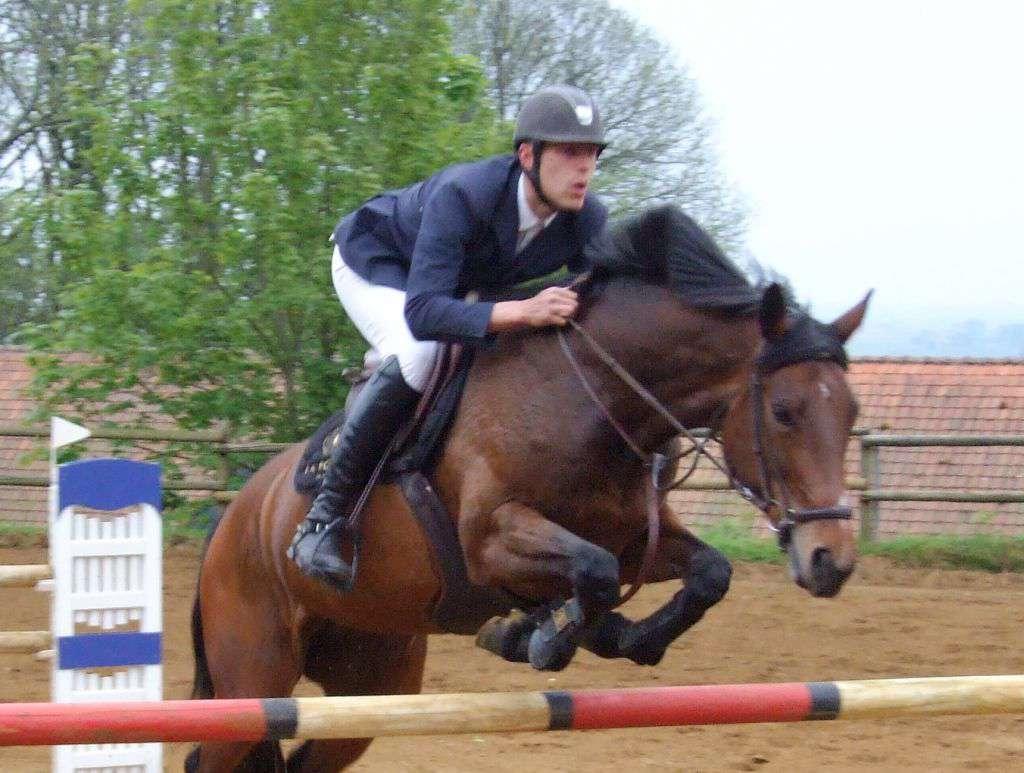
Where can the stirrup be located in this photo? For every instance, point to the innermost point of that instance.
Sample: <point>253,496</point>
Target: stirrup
<point>340,575</point>
<point>302,528</point>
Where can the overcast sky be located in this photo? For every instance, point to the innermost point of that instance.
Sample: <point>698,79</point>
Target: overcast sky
<point>878,144</point>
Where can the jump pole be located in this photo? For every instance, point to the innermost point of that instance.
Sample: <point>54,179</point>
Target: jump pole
<point>24,576</point>
<point>33,724</point>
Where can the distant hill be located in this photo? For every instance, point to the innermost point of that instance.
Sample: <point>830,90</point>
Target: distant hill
<point>972,338</point>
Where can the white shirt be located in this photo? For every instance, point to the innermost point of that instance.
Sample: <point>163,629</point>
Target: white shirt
<point>529,224</point>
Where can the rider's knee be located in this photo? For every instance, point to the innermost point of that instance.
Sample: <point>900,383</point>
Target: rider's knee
<point>416,360</point>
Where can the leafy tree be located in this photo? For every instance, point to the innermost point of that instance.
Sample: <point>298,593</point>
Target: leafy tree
<point>171,171</point>
<point>223,142</point>
<point>49,71</point>
<point>660,148</point>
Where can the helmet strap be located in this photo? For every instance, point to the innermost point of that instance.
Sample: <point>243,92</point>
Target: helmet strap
<point>533,175</point>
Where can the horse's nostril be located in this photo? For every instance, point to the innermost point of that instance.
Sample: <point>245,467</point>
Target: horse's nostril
<point>821,559</point>
<point>827,578</point>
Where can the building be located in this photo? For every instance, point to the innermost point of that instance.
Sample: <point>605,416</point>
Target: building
<point>928,397</point>
<point>904,396</point>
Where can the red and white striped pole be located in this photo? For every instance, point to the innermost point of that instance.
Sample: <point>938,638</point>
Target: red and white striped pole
<point>28,724</point>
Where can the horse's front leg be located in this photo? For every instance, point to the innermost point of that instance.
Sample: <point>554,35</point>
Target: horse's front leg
<point>518,549</point>
<point>706,573</point>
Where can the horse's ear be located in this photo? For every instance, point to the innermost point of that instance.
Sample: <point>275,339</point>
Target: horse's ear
<point>773,312</point>
<point>847,324</point>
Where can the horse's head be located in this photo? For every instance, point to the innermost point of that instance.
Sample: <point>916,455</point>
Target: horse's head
<point>785,438</point>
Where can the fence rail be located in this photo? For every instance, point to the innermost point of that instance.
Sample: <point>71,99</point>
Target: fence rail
<point>921,441</point>
<point>220,488</point>
<point>868,485</point>
<point>871,469</point>
<point>185,484</point>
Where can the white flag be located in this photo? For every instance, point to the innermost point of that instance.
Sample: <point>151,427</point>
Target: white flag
<point>63,432</point>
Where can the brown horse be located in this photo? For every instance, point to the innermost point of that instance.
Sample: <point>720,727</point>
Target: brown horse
<point>548,498</point>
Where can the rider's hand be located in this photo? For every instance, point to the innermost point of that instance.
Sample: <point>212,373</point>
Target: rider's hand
<point>551,306</point>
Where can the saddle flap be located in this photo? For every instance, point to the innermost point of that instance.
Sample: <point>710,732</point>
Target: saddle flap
<point>419,443</point>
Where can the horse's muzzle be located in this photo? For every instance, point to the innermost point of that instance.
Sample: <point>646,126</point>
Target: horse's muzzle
<point>825,579</point>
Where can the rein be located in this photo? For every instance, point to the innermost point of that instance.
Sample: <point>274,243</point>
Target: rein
<point>655,462</point>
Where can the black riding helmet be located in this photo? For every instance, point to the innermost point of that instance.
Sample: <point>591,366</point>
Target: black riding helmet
<point>558,113</point>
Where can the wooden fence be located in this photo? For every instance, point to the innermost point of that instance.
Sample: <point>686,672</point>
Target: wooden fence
<point>869,485</point>
<point>220,486</point>
<point>871,469</point>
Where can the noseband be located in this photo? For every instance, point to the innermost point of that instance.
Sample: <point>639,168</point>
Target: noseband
<point>788,517</point>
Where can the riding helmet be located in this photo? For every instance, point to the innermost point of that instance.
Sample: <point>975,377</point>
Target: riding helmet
<point>559,113</point>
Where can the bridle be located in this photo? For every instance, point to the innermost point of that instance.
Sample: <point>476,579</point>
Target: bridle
<point>655,463</point>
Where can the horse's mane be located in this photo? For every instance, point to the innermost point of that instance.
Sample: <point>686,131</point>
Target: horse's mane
<point>664,246</point>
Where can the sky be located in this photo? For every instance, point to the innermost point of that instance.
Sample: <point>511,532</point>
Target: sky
<point>877,145</point>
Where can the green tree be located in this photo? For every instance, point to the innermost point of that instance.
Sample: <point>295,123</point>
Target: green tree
<point>225,139</point>
<point>52,75</point>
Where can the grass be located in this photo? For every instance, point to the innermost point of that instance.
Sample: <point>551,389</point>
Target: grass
<point>17,535</point>
<point>979,552</point>
<point>732,536</point>
<point>982,552</point>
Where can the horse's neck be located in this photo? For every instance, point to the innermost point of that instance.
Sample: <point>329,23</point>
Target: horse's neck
<point>693,361</point>
<point>526,413</point>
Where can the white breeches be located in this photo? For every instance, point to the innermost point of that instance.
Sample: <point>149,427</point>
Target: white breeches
<point>379,314</point>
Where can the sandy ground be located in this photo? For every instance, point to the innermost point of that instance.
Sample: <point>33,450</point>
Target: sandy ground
<point>888,622</point>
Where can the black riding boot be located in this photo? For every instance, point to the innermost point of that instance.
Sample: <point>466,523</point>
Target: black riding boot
<point>375,416</point>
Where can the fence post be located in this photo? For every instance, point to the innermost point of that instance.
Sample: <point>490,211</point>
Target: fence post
<point>223,458</point>
<point>869,508</point>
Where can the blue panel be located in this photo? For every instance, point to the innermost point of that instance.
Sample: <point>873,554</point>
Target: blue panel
<point>109,484</point>
<point>98,650</point>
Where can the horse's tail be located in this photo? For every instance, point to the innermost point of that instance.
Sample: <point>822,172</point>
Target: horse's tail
<point>202,681</point>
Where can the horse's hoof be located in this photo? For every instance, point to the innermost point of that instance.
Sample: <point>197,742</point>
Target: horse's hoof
<point>550,654</point>
<point>507,637</point>
<point>553,644</point>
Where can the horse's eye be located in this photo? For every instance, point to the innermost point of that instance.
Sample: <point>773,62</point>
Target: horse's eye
<point>783,415</point>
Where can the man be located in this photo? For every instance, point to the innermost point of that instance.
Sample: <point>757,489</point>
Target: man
<point>404,260</point>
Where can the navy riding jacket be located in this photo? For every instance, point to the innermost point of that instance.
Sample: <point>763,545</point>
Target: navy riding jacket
<point>455,232</point>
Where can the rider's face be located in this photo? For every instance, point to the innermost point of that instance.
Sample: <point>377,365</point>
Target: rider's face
<point>565,172</point>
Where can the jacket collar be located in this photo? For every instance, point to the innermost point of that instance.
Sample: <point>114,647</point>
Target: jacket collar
<point>506,217</point>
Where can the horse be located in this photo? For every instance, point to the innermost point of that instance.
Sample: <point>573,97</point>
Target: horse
<point>546,473</point>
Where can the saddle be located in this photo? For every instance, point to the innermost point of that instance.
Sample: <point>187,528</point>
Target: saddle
<point>409,463</point>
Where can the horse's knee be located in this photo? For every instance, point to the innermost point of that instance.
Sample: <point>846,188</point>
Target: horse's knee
<point>595,578</point>
<point>709,577</point>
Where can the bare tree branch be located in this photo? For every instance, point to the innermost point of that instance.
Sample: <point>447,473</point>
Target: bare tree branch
<point>651,107</point>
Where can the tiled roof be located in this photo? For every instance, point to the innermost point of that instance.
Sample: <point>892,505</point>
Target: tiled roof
<point>908,396</point>
<point>29,455</point>
<point>922,397</point>
<point>943,396</point>
<point>19,504</point>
